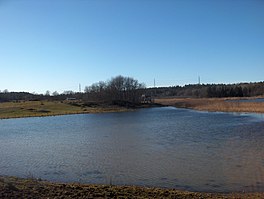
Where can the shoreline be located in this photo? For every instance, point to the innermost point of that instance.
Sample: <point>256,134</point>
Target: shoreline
<point>14,187</point>
<point>112,110</point>
<point>24,109</point>
<point>214,104</point>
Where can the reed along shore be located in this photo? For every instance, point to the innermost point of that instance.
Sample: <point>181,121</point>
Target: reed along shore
<point>214,104</point>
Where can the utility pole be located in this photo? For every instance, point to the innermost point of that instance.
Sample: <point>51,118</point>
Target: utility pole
<point>154,94</point>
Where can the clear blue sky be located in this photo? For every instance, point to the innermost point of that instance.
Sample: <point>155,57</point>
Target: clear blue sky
<point>57,44</point>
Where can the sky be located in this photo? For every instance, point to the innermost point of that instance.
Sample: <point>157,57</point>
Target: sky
<point>56,45</point>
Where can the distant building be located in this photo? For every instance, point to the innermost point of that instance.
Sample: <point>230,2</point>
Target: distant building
<point>145,99</point>
<point>71,99</point>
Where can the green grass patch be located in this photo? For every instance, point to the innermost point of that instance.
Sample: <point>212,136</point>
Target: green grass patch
<point>50,108</point>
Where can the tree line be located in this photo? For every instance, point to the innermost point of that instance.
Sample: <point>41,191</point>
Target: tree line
<point>210,90</point>
<point>122,89</point>
<point>117,90</point>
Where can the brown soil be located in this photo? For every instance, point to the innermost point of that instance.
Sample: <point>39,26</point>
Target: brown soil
<point>13,187</point>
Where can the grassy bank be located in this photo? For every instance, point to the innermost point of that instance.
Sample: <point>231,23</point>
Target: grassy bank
<point>213,104</point>
<point>13,187</point>
<point>51,108</point>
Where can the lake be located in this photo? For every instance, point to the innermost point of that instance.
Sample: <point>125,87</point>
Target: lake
<point>164,147</point>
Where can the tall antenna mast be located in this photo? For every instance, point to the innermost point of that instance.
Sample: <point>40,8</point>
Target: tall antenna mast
<point>154,83</point>
<point>199,80</point>
<point>80,89</point>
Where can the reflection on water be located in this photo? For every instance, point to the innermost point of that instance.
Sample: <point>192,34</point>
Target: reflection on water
<point>165,147</point>
<point>247,100</point>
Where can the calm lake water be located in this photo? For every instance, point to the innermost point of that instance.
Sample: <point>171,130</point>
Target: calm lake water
<point>247,100</point>
<point>165,147</point>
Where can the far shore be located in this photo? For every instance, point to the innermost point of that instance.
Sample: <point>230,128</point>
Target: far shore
<point>14,187</point>
<point>21,109</point>
<point>214,104</point>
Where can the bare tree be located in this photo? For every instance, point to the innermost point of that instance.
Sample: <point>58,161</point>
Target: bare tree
<point>47,93</point>
<point>119,88</point>
<point>55,93</point>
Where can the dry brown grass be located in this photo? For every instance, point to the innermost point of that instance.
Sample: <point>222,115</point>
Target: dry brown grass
<point>12,187</point>
<point>213,104</point>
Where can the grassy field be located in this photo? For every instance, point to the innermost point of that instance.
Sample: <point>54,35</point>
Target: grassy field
<point>213,104</point>
<point>13,187</point>
<point>50,108</point>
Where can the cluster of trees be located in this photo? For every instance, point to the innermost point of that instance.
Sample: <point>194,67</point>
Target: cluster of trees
<point>17,96</point>
<point>211,90</point>
<point>118,89</point>
<point>227,91</point>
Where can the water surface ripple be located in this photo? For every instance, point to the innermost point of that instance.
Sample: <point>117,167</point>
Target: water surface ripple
<point>165,147</point>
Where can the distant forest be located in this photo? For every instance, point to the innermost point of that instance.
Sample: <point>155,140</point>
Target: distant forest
<point>127,89</point>
<point>210,90</point>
